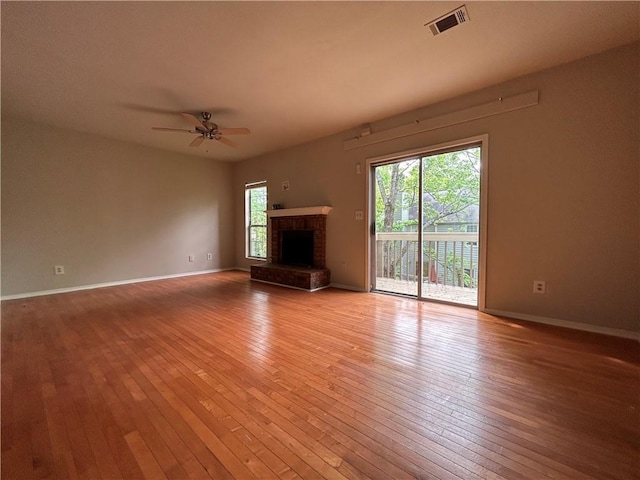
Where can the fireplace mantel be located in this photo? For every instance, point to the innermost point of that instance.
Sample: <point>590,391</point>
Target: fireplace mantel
<point>299,212</point>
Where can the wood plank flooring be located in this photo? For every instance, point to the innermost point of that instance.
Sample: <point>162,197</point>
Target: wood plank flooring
<point>215,376</point>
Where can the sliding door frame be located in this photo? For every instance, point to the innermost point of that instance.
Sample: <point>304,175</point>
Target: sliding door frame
<point>372,162</point>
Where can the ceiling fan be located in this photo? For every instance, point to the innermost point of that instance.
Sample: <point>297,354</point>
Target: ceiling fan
<point>206,129</point>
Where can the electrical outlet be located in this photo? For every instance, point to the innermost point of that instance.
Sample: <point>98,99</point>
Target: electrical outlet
<point>359,215</point>
<point>539,286</point>
<point>285,185</point>
<point>209,256</point>
<point>191,259</point>
<point>58,270</point>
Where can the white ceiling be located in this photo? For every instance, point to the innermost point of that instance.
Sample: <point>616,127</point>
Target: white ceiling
<point>289,71</point>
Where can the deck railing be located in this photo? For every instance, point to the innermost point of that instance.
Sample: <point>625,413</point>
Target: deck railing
<point>448,258</point>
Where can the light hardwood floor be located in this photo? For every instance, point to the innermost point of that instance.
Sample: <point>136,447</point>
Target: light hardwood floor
<point>216,376</point>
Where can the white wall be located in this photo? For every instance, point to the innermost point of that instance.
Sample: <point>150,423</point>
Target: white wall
<point>107,211</point>
<point>563,195</point>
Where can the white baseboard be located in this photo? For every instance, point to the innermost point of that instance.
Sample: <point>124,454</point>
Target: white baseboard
<point>615,332</point>
<point>109,284</point>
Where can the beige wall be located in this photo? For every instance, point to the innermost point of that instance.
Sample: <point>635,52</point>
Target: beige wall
<point>563,198</point>
<point>107,211</point>
<point>563,195</point>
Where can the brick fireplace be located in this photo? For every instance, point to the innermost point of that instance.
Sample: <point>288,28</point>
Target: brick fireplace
<point>297,254</point>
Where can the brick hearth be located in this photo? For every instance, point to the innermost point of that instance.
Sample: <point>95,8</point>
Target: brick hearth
<point>297,277</point>
<point>318,276</point>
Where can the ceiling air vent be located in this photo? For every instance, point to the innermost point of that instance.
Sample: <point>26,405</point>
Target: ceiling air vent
<point>449,20</point>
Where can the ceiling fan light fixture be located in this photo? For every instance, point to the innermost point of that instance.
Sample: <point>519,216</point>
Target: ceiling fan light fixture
<point>207,130</point>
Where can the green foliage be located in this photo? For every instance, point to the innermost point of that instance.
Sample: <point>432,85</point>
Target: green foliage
<point>258,206</point>
<point>397,191</point>
<point>451,184</point>
<point>257,221</point>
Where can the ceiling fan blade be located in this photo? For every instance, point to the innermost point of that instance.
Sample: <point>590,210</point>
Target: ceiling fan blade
<point>194,121</point>
<point>234,131</point>
<point>227,141</point>
<point>164,129</point>
<point>197,141</point>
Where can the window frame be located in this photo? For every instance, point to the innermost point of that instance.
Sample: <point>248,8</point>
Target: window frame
<point>249,227</point>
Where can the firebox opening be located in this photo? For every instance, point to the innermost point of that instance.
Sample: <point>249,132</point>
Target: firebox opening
<point>296,247</point>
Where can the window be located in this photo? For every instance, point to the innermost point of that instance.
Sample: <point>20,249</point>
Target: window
<point>256,219</point>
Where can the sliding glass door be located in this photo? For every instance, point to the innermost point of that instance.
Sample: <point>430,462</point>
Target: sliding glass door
<point>425,237</point>
<point>397,250</point>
